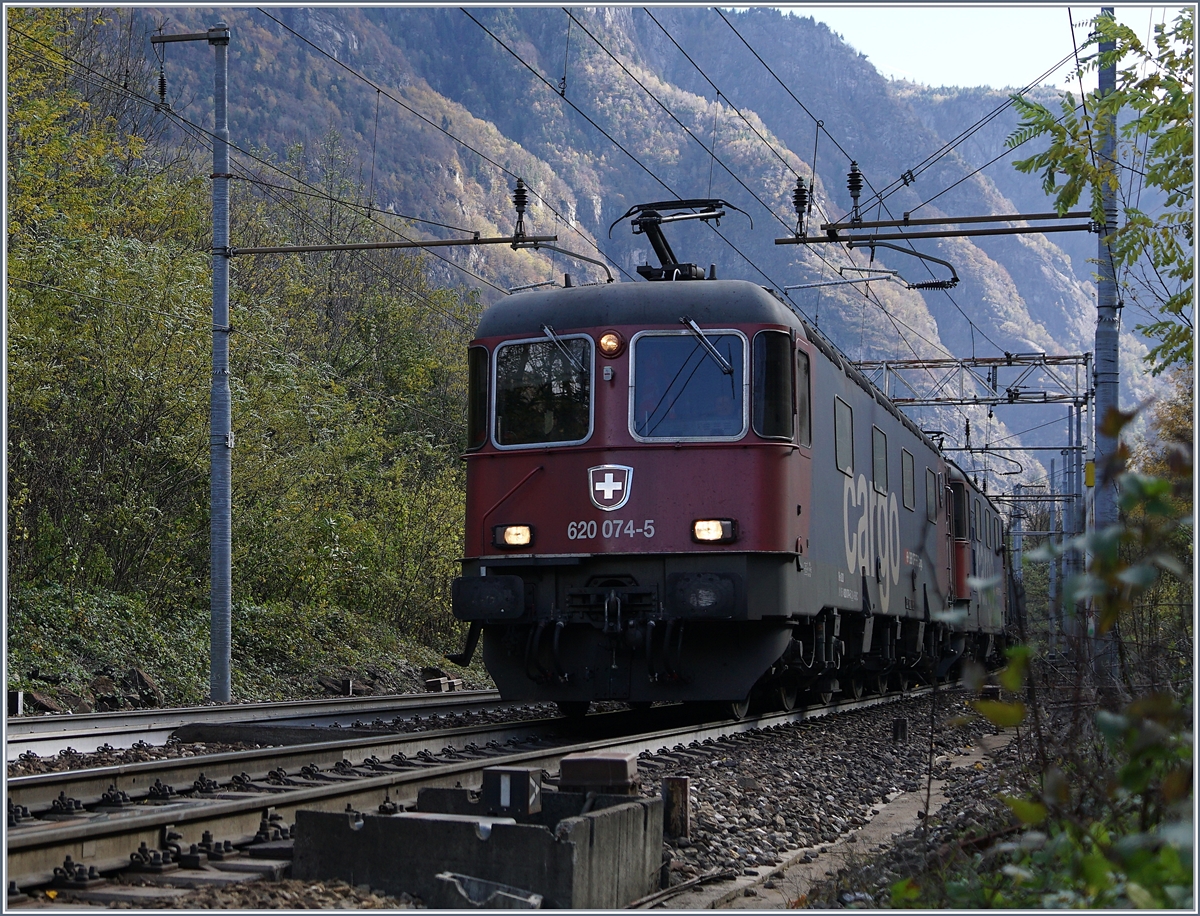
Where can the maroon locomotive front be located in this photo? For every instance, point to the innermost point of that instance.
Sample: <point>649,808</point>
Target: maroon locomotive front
<point>680,491</point>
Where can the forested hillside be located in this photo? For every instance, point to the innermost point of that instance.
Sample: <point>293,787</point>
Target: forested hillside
<point>347,387</point>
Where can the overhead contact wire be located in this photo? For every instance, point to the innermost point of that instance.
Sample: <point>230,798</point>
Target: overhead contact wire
<point>687,130</point>
<point>436,126</point>
<point>606,135</point>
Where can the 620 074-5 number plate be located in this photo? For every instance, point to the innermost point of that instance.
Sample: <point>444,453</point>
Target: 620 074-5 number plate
<point>610,528</point>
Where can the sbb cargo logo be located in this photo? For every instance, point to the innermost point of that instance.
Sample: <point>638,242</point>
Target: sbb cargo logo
<point>609,485</point>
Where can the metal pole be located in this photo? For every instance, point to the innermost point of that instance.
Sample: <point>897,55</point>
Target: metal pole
<point>1018,519</point>
<point>1068,558</point>
<point>221,432</point>
<point>1052,588</point>
<point>1107,339</point>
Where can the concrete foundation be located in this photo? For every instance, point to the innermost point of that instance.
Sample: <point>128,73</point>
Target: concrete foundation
<point>580,851</point>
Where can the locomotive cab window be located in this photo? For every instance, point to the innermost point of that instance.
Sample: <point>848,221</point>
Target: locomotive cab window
<point>543,391</point>
<point>681,391</point>
<point>879,469</point>
<point>803,399</point>
<point>908,489</point>
<point>477,393</point>
<point>843,436</point>
<point>773,394</point>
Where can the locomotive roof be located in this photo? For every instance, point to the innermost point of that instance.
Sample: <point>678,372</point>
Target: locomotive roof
<point>709,302</point>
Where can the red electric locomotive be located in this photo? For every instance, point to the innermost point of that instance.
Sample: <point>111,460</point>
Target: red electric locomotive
<point>680,491</point>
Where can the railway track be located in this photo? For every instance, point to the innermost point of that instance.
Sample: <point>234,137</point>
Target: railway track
<point>99,817</point>
<point>47,735</point>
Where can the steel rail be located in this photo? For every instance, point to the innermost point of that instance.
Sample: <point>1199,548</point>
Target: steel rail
<point>39,791</point>
<point>105,840</point>
<point>89,731</point>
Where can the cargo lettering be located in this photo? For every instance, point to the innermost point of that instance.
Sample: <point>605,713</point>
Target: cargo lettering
<point>871,533</point>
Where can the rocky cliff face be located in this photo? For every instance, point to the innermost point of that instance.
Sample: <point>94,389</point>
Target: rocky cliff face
<point>461,113</point>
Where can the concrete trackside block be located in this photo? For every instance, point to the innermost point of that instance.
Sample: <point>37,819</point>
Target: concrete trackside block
<point>602,858</point>
<point>611,770</point>
<point>124,893</point>
<point>270,869</point>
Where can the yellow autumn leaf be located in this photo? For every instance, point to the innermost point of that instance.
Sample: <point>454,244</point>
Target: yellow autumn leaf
<point>1029,812</point>
<point>998,713</point>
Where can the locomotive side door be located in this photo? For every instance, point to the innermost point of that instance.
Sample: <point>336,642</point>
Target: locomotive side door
<point>961,555</point>
<point>803,461</point>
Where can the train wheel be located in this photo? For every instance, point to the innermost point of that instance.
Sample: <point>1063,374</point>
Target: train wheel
<point>787,696</point>
<point>903,681</point>
<point>880,685</point>
<point>739,709</point>
<point>856,688</point>
<point>573,709</point>
<point>826,697</point>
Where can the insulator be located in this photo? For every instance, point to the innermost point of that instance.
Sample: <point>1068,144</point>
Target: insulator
<point>520,198</point>
<point>855,180</point>
<point>162,87</point>
<point>855,183</point>
<point>800,202</point>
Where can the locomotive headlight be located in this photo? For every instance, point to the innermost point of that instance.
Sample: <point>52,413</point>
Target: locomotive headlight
<point>508,536</point>
<point>610,344</point>
<point>714,530</point>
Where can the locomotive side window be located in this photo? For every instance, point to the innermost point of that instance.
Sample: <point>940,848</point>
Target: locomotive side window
<point>477,392</point>
<point>908,483</point>
<point>681,392</point>
<point>879,459</point>
<point>931,495</point>
<point>543,392</point>
<point>803,399</point>
<point>773,393</point>
<point>958,517</point>
<point>843,436</point>
<point>975,520</point>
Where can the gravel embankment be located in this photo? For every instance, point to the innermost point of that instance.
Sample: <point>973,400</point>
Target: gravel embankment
<point>807,785</point>
<point>971,819</point>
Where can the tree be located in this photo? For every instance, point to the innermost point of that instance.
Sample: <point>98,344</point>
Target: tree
<point>1153,107</point>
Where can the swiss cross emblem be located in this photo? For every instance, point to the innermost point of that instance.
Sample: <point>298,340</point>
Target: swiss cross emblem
<point>608,485</point>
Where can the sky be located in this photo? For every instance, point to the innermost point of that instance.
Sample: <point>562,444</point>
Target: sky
<point>977,45</point>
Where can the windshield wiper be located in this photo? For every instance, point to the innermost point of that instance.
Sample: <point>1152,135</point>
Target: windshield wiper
<point>558,342</point>
<point>712,351</point>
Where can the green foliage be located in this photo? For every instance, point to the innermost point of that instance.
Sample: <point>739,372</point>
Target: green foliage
<point>347,378</point>
<point>1069,868</point>
<point>1112,804</point>
<point>75,633</point>
<point>279,648</point>
<point>1153,108</point>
